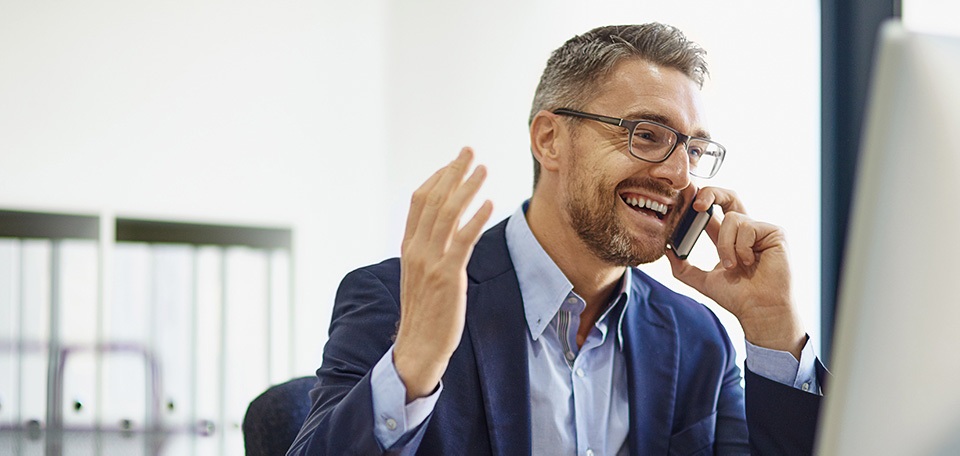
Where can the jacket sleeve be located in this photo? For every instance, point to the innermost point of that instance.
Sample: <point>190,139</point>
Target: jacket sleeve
<point>362,329</point>
<point>769,418</point>
<point>782,419</point>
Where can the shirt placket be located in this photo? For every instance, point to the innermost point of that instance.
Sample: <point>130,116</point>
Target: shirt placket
<point>579,362</point>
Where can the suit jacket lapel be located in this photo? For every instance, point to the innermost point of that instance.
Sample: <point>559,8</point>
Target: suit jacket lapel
<point>652,352</point>
<point>495,325</point>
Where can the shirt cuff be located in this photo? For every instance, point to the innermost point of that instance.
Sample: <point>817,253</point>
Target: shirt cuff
<point>782,367</point>
<point>394,421</point>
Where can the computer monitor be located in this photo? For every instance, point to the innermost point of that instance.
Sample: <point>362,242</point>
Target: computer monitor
<point>896,365</point>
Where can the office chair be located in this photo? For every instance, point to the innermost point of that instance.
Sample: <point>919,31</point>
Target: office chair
<point>274,418</point>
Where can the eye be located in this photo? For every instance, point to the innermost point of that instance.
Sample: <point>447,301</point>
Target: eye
<point>695,152</point>
<point>648,135</point>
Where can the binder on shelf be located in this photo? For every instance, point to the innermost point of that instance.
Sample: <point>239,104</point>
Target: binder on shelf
<point>35,285</point>
<point>9,332</point>
<point>126,321</point>
<point>172,335</point>
<point>77,302</point>
<point>205,307</point>
<point>208,353</point>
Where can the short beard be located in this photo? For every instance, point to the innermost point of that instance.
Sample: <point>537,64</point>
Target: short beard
<point>602,232</point>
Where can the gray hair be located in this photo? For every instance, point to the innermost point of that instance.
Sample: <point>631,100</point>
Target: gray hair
<point>574,71</point>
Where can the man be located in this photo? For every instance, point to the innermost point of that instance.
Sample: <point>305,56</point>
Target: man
<point>539,337</point>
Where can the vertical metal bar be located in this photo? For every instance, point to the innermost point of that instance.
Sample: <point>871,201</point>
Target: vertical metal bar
<point>291,315</point>
<point>222,373</point>
<point>268,308</point>
<point>194,342</point>
<point>21,345</point>
<point>107,228</point>
<point>152,303</point>
<point>54,426</point>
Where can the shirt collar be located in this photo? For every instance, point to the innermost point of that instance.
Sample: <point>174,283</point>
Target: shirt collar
<point>543,286</point>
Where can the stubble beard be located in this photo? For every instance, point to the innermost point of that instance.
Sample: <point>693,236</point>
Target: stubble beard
<point>598,226</point>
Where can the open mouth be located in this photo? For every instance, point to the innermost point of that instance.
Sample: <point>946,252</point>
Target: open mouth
<point>646,206</point>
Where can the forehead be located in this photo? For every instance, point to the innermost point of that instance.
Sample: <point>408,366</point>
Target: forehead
<point>637,89</point>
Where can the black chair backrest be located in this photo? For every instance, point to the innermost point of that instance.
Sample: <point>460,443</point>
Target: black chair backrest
<point>274,418</point>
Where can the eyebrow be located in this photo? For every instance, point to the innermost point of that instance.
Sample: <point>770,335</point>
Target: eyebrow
<point>662,119</point>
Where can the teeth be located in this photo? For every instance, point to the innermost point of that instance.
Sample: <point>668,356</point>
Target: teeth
<point>649,204</point>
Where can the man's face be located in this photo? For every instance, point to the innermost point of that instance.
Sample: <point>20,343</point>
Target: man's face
<point>608,193</point>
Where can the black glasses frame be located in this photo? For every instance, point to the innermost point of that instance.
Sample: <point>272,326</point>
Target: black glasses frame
<point>631,126</point>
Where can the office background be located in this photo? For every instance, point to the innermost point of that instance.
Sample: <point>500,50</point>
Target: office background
<point>322,117</point>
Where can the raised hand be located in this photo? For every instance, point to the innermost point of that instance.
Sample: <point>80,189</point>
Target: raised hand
<point>433,274</point>
<point>752,279</point>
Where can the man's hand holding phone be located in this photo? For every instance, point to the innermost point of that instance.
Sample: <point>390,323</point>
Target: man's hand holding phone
<point>752,279</point>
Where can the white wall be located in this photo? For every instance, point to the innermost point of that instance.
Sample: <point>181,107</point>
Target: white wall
<point>241,112</point>
<point>324,116</point>
<point>931,16</point>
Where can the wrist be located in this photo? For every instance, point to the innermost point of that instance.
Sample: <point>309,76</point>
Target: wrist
<point>782,333</point>
<point>420,374</point>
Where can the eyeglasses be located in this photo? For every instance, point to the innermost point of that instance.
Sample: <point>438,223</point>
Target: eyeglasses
<point>653,142</point>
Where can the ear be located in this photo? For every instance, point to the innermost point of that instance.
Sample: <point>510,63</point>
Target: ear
<point>547,136</point>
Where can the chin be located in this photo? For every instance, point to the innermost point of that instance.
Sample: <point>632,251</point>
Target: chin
<point>621,250</point>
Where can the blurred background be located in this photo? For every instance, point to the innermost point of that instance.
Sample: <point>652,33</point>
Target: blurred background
<point>313,122</point>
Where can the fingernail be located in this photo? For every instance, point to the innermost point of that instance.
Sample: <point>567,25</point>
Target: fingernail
<point>727,264</point>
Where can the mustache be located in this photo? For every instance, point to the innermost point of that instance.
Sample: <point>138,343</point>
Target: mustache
<point>653,186</point>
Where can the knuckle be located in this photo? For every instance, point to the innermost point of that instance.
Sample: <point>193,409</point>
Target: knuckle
<point>448,212</point>
<point>434,199</point>
<point>406,248</point>
<point>435,275</point>
<point>456,165</point>
<point>418,196</point>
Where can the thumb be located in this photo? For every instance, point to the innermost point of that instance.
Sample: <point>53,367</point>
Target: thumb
<point>687,273</point>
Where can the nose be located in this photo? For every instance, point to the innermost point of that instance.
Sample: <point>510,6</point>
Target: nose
<point>675,170</point>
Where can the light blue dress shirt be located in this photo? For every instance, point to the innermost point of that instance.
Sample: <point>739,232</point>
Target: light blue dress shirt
<point>578,397</point>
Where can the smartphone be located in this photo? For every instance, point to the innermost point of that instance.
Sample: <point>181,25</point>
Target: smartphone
<point>688,230</point>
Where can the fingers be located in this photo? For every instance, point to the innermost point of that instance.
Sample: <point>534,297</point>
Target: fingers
<point>438,205</point>
<point>417,202</point>
<point>735,241</point>
<point>734,234</point>
<point>450,178</point>
<point>745,243</point>
<point>726,199</point>
<point>467,237</point>
<point>448,216</point>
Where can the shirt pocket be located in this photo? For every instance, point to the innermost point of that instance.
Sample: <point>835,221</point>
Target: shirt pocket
<point>696,439</point>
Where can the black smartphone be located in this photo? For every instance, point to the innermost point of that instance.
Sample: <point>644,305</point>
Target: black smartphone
<point>688,230</point>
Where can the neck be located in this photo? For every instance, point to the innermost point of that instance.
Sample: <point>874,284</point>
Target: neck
<point>593,279</point>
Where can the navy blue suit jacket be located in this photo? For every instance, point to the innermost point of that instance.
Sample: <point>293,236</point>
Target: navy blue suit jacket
<point>683,386</point>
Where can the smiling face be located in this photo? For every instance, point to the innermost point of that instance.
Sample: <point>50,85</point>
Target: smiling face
<point>624,209</point>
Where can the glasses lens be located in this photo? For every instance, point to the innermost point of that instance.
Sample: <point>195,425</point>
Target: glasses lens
<point>652,142</point>
<point>705,157</point>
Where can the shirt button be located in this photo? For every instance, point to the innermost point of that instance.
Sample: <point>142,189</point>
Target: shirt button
<point>805,386</point>
<point>570,356</point>
<point>391,424</point>
<point>580,372</point>
<point>572,300</point>
<point>589,452</point>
